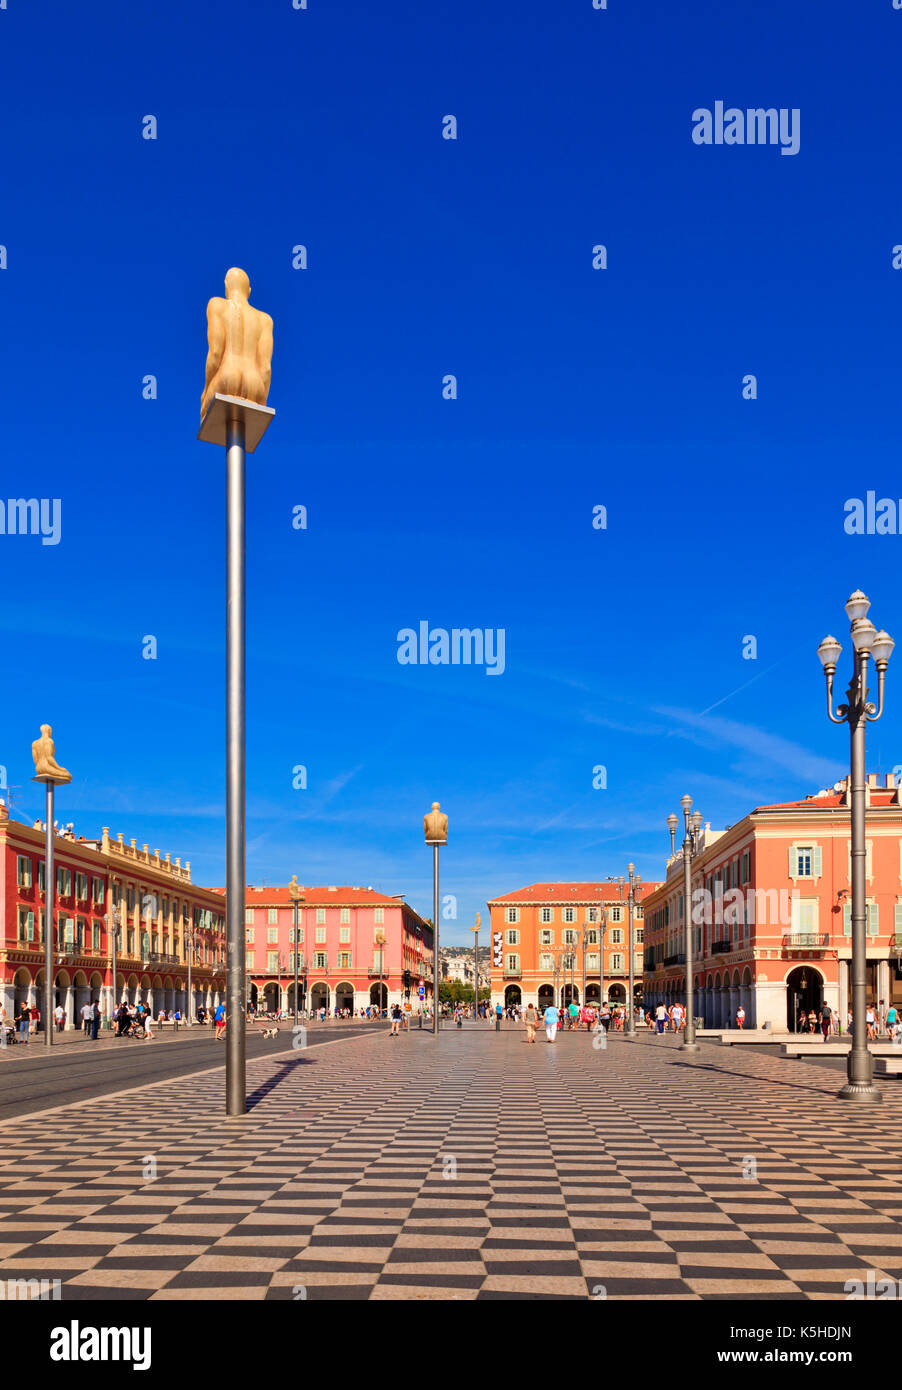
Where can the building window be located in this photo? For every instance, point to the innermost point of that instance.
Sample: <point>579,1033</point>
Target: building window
<point>248,916</point>
<point>345,914</point>
<point>272,962</point>
<point>81,887</point>
<point>320,934</point>
<point>869,859</point>
<point>569,937</point>
<point>319,960</point>
<point>512,914</point>
<point>23,871</point>
<point>638,911</point>
<point>592,914</point>
<point>344,933</point>
<point>592,937</point>
<point>616,962</point>
<point>272,935</point>
<point>26,925</point>
<point>546,914</point>
<point>249,935</point>
<point>546,963</point>
<point>569,914</point>
<point>804,861</point>
<point>379,915</point>
<point>617,913</point>
<point>546,937</point>
<point>42,875</point>
<point>513,963</point>
<point>272,916</point>
<point>638,934</point>
<point>512,938</point>
<point>872,926</point>
<point>344,960</point>
<point>617,937</point>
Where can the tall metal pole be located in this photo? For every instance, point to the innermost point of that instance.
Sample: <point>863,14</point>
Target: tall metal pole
<point>295,962</point>
<point>631,1007</point>
<point>688,1044</point>
<point>236,1099</point>
<point>860,1084</point>
<point>435,850</point>
<point>49,903</point>
<point>585,936</point>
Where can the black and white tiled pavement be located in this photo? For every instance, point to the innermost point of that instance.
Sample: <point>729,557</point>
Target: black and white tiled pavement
<point>472,1166</point>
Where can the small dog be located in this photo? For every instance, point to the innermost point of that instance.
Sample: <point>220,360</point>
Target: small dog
<point>270,1032</point>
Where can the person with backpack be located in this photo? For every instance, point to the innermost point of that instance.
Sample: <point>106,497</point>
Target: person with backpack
<point>826,1021</point>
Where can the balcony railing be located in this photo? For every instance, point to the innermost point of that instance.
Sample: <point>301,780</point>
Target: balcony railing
<point>721,947</point>
<point>510,974</point>
<point>156,958</point>
<point>374,972</point>
<point>805,938</point>
<point>675,960</point>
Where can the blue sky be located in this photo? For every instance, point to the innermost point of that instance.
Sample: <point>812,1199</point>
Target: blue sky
<point>576,388</point>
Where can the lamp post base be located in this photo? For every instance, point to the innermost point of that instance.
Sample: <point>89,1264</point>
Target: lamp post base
<point>862,1091</point>
<point>689,1047</point>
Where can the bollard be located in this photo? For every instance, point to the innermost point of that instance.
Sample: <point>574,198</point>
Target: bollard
<point>497,1023</point>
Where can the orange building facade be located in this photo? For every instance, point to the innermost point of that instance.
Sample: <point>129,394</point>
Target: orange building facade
<point>771,912</point>
<point>532,927</point>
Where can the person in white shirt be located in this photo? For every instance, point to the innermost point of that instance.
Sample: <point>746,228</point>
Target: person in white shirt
<point>87,1013</point>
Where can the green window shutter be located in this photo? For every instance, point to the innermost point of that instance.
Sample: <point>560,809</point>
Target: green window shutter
<point>817,861</point>
<point>847,919</point>
<point>29,928</point>
<point>873,924</point>
<point>793,862</point>
<point>897,919</point>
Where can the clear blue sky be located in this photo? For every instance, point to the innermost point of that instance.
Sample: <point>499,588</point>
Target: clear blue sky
<point>577,388</point>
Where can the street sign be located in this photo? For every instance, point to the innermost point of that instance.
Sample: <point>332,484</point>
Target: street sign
<point>422,991</point>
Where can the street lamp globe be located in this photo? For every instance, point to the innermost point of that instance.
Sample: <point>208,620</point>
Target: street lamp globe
<point>697,819</point>
<point>863,634</point>
<point>829,651</point>
<point>672,822</point>
<point>882,646</point>
<point>857,606</point>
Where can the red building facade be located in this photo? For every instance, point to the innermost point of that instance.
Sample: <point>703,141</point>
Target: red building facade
<point>351,942</point>
<point>771,912</point>
<point>162,917</point>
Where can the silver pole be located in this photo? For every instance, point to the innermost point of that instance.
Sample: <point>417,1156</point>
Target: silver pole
<point>189,947</point>
<point>860,1085</point>
<point>435,940</point>
<point>631,1006</point>
<point>49,902</point>
<point>295,962</point>
<point>689,1044</point>
<point>236,1098</point>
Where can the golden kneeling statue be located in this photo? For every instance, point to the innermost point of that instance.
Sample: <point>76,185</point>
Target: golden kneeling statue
<point>239,360</point>
<point>46,768</point>
<point>435,826</point>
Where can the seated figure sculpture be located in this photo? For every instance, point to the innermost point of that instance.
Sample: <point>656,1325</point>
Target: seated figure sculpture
<point>239,338</point>
<point>46,768</point>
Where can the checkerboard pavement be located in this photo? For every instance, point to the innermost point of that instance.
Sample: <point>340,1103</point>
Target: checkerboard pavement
<point>471,1166</point>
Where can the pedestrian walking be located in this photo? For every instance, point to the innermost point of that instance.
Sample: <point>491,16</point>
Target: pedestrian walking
<point>219,1016</point>
<point>871,1022</point>
<point>23,1018</point>
<point>740,1017</point>
<point>532,1018</point>
<point>95,1021</point>
<point>59,1016</point>
<point>552,1018</point>
<point>826,1021</point>
<point>660,1019</point>
<point>677,1017</point>
<point>395,1021</point>
<point>87,1014</point>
